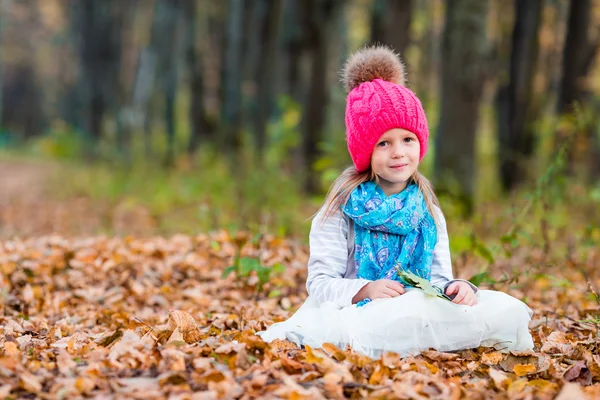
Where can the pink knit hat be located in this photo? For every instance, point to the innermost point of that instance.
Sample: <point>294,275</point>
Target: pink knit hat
<point>377,102</point>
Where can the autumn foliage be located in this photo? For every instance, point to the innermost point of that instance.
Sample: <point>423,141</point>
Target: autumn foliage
<point>154,318</point>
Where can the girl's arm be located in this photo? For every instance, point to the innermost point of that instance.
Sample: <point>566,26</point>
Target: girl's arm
<point>328,262</point>
<point>441,268</point>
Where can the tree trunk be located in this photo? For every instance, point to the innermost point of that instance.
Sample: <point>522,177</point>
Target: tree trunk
<point>3,19</point>
<point>578,55</point>
<point>232,80</point>
<point>462,78</point>
<point>320,14</point>
<point>121,100</point>
<point>169,12</point>
<point>99,49</point>
<point>293,70</point>
<point>200,128</point>
<point>266,72</point>
<point>516,109</point>
<point>390,23</point>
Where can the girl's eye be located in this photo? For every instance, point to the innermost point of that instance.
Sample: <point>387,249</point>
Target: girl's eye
<point>382,144</point>
<point>409,139</point>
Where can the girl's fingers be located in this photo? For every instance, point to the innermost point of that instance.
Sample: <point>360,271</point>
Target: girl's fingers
<point>394,292</point>
<point>460,296</point>
<point>396,287</point>
<point>470,300</point>
<point>452,288</point>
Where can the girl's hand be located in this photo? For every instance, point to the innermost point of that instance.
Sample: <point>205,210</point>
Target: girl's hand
<point>465,294</point>
<point>380,289</point>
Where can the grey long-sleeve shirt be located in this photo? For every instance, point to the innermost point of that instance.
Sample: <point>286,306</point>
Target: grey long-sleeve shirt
<point>331,267</point>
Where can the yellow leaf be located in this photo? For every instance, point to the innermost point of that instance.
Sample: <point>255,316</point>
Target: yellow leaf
<point>379,375</point>
<point>334,351</point>
<point>432,368</point>
<point>84,385</point>
<point>517,386</point>
<point>543,384</point>
<point>492,358</point>
<point>522,370</point>
<point>311,357</point>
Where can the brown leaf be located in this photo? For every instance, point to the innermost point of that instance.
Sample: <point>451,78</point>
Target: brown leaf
<point>593,363</point>
<point>181,320</point>
<point>579,373</point>
<point>295,367</point>
<point>557,343</point>
<point>186,324</point>
<point>439,356</point>
<point>110,339</point>
<point>539,361</point>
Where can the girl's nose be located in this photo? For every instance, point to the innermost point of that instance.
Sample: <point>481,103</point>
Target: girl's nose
<point>397,150</point>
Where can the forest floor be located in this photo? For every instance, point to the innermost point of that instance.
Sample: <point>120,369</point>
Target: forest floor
<point>153,317</point>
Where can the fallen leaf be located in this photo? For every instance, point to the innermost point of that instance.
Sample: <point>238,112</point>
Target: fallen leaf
<point>182,320</point>
<point>593,363</point>
<point>571,391</point>
<point>312,357</point>
<point>439,356</point>
<point>333,351</point>
<point>557,343</point>
<point>30,382</point>
<point>85,385</point>
<point>11,349</point>
<point>579,373</point>
<point>498,377</point>
<point>110,338</point>
<point>492,358</point>
<point>295,367</point>
<point>522,370</point>
<point>5,391</point>
<point>543,384</point>
<point>176,338</point>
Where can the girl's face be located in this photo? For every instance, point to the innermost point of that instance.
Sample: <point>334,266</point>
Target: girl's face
<point>395,159</point>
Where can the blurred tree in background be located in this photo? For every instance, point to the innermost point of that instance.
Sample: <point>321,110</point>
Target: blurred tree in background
<point>255,84</point>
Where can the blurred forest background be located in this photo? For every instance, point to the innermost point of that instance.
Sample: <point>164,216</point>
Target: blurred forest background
<point>163,116</point>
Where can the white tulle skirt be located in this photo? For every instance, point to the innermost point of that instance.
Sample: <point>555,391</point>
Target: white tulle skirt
<point>409,324</point>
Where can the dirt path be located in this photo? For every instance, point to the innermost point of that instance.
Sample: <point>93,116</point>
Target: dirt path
<point>22,181</point>
<point>31,205</point>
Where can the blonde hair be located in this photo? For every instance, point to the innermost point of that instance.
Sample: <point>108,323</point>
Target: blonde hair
<point>350,179</point>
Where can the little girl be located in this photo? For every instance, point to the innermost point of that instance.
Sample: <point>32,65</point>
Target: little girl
<point>382,221</point>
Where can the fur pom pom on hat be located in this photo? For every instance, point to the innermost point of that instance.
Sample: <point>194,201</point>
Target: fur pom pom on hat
<point>378,101</point>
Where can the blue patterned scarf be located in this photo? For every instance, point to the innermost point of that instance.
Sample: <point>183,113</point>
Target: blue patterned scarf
<point>391,232</point>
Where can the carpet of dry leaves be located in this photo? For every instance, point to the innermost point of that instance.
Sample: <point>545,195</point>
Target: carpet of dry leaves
<point>153,318</point>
